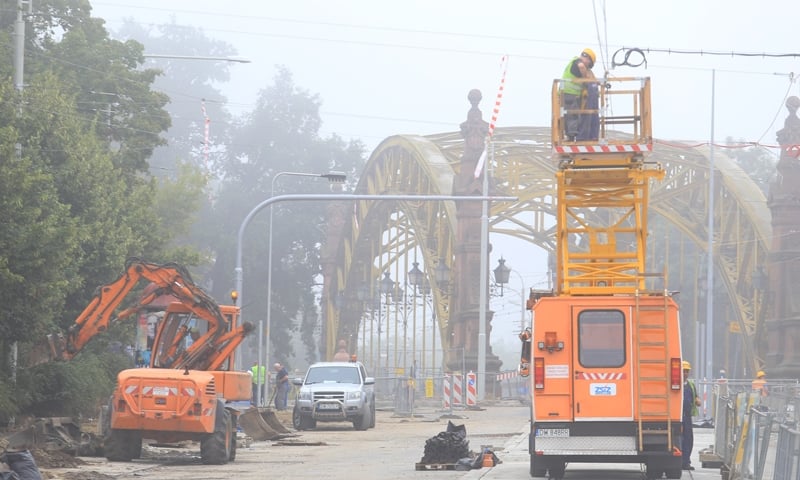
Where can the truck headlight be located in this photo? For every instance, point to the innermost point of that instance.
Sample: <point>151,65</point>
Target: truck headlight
<point>353,395</point>
<point>304,395</point>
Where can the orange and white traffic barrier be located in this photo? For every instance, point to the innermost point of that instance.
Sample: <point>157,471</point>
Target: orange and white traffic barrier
<point>472,390</point>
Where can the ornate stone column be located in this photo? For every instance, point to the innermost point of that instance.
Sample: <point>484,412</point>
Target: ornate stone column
<point>783,269</point>
<point>465,299</point>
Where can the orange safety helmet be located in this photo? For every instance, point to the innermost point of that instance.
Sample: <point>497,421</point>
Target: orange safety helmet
<point>588,52</point>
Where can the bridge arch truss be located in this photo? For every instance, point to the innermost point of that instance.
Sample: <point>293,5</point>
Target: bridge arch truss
<point>382,240</point>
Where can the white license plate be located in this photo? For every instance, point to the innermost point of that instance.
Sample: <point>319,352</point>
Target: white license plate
<point>160,391</point>
<point>552,432</point>
<point>328,406</point>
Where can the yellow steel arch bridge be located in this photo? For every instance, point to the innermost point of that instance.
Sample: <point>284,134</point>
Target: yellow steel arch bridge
<point>368,291</point>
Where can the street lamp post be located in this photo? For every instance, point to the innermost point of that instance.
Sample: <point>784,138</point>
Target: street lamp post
<point>501,277</point>
<point>332,177</point>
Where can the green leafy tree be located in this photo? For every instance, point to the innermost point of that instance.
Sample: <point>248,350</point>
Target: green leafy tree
<point>280,134</point>
<point>757,162</point>
<point>186,136</point>
<point>76,195</point>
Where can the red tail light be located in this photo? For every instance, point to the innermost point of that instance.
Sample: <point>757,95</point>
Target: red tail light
<point>538,372</point>
<point>675,373</point>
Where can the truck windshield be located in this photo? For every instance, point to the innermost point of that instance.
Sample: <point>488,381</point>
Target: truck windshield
<point>333,374</point>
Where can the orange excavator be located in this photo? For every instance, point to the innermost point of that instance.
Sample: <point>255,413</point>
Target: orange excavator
<point>185,392</point>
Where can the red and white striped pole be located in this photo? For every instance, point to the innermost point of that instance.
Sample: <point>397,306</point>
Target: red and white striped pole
<point>495,111</point>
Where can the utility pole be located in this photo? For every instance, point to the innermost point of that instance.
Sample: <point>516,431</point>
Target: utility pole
<point>19,84</point>
<point>19,43</point>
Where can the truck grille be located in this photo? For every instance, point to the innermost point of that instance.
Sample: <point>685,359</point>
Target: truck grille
<point>333,395</point>
<point>211,388</point>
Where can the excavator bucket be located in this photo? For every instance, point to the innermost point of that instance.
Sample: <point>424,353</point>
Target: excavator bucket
<point>256,425</point>
<point>272,420</point>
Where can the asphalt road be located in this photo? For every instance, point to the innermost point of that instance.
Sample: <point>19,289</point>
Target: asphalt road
<point>334,451</point>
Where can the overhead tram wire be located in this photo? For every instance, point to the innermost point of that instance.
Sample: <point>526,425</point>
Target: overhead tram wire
<point>731,53</point>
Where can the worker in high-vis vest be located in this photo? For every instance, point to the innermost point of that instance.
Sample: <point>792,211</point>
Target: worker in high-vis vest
<point>760,383</point>
<point>580,95</point>
<point>690,403</point>
<point>259,379</point>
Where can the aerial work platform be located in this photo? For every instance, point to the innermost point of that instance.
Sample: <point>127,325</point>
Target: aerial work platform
<point>602,187</point>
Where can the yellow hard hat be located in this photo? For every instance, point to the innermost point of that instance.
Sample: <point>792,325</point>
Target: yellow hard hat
<point>589,53</point>
<point>761,374</point>
<point>686,365</point>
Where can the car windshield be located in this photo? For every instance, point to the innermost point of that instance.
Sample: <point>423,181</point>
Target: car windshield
<point>333,374</point>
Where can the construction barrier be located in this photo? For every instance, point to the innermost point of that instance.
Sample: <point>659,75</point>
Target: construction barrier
<point>452,390</point>
<point>472,390</point>
<point>755,436</point>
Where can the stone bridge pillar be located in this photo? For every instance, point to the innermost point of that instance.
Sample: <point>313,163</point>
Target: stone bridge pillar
<point>465,299</point>
<point>783,269</point>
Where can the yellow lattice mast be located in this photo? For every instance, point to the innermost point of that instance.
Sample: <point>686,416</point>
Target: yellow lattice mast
<point>603,188</point>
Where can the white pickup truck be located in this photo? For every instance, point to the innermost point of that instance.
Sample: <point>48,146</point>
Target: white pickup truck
<point>334,392</point>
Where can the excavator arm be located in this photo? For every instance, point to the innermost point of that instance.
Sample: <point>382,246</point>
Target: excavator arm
<point>170,279</point>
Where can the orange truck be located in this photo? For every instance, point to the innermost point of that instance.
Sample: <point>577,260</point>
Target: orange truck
<point>603,353</point>
<point>185,392</point>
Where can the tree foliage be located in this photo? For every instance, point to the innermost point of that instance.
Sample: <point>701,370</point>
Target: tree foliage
<point>281,134</point>
<point>757,162</point>
<point>191,84</point>
<point>76,197</point>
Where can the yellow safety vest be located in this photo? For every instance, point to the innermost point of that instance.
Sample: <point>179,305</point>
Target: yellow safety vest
<point>259,374</point>
<point>568,86</point>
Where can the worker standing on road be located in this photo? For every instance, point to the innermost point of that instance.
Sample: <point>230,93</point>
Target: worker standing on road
<point>580,95</point>
<point>259,379</point>
<point>281,387</point>
<point>760,383</point>
<point>690,403</point>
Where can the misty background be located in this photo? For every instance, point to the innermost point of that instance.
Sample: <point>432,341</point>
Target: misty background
<point>109,152</point>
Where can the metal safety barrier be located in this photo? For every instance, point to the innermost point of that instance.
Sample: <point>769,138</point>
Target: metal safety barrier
<point>755,435</point>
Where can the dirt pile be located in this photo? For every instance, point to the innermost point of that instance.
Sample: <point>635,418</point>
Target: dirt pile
<point>55,459</point>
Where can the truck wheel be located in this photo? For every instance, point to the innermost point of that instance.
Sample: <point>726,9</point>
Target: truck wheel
<point>653,472</point>
<point>215,448</point>
<point>537,470</point>
<point>556,470</point>
<point>297,419</point>
<point>135,444</point>
<point>232,455</point>
<point>117,446</point>
<point>363,422</point>
<point>301,422</point>
<point>673,473</point>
